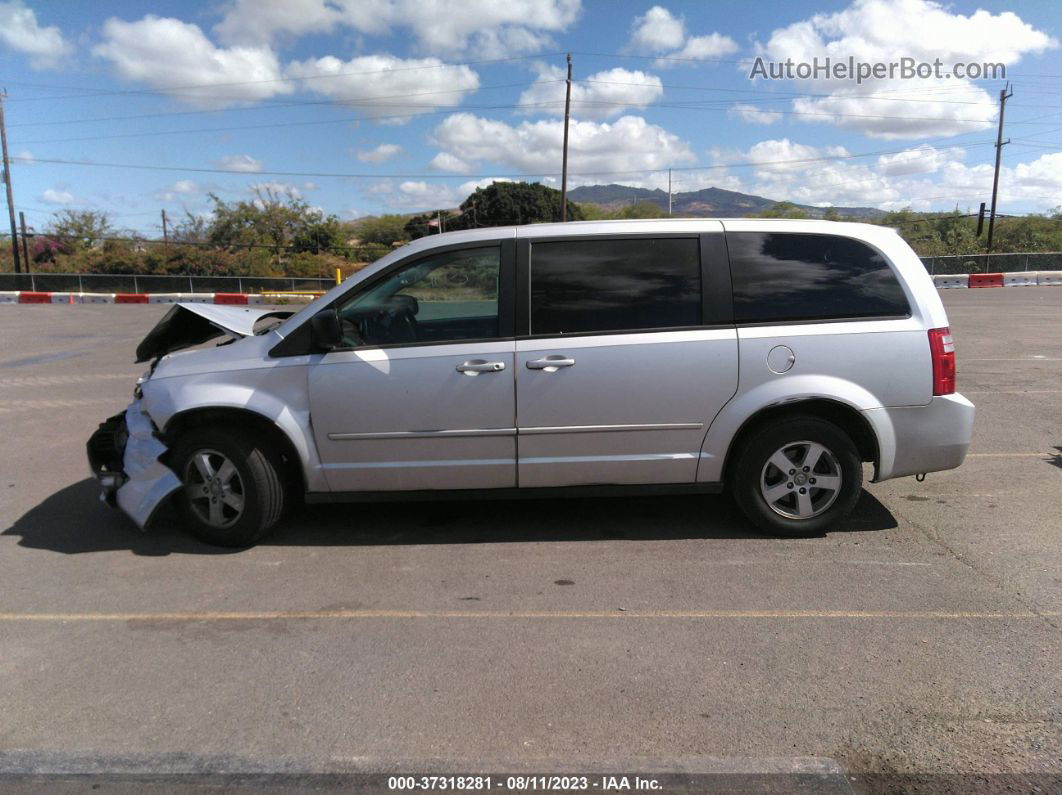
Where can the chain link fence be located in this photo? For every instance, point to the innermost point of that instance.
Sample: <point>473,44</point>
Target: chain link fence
<point>120,283</point>
<point>994,263</point>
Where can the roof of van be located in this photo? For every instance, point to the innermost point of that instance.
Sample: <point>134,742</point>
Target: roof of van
<point>651,225</point>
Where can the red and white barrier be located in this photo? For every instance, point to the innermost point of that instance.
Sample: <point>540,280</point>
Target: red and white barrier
<point>231,299</point>
<point>986,279</point>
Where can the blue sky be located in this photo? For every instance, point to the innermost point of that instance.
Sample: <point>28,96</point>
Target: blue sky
<point>369,106</point>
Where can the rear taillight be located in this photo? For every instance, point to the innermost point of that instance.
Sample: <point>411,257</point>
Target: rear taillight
<point>942,350</point>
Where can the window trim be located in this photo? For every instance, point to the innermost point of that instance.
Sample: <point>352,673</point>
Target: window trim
<point>715,303</point>
<point>298,342</point>
<point>829,318</point>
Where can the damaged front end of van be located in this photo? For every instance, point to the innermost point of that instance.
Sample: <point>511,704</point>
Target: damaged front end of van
<point>126,453</point>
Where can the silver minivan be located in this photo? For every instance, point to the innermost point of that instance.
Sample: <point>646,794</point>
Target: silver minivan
<point>771,358</point>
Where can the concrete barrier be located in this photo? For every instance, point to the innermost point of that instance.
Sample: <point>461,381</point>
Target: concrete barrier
<point>986,280</point>
<point>28,297</point>
<point>1020,279</point>
<point>230,298</point>
<point>163,298</point>
<point>1049,278</point>
<point>945,282</point>
<point>9,297</point>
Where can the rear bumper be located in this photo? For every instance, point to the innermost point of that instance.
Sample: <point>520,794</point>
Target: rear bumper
<point>124,456</point>
<point>920,439</point>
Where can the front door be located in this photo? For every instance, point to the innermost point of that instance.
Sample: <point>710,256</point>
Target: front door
<point>626,363</point>
<point>421,394</point>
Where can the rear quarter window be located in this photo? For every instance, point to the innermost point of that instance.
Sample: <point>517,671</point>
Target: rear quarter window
<point>799,277</point>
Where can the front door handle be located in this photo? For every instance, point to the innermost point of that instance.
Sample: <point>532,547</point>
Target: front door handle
<point>551,364</point>
<point>477,366</point>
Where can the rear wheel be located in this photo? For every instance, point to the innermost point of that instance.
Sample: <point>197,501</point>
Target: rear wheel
<point>797,476</point>
<point>233,493</point>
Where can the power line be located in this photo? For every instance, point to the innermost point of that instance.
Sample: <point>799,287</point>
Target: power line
<point>355,101</point>
<point>363,175</point>
<point>507,106</point>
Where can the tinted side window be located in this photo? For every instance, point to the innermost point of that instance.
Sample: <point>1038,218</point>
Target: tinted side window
<point>580,286</point>
<point>810,277</point>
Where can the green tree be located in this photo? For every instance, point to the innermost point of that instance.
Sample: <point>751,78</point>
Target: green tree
<point>504,203</point>
<point>281,223</point>
<point>324,235</point>
<point>642,209</point>
<point>782,210</point>
<point>381,230</point>
<point>78,229</point>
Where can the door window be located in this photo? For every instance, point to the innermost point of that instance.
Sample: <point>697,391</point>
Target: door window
<point>446,297</point>
<point>595,285</point>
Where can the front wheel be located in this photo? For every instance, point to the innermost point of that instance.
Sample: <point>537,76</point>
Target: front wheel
<point>232,492</point>
<point>797,476</point>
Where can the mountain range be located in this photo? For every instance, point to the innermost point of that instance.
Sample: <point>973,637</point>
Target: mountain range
<point>701,203</point>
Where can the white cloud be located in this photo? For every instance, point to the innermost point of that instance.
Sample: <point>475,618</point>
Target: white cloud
<point>416,196</point>
<point>282,190</point>
<point>379,154</point>
<point>753,114</point>
<point>425,195</point>
<point>20,31</point>
<point>393,88</point>
<point>660,32</point>
<point>243,163</point>
<point>703,48</point>
<point>25,157</point>
<point>657,30</point>
<point>599,96</point>
<point>259,21</point>
<point>628,144</point>
<point>488,28</point>
<point>923,159</point>
<point>922,177</point>
<point>180,188</point>
<point>882,31</point>
<point>53,196</point>
<point>178,58</point>
<point>444,161</point>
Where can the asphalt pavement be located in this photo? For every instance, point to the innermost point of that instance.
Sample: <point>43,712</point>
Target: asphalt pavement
<point>922,638</point>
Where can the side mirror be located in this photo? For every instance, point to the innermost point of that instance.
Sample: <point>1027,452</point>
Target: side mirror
<point>325,332</point>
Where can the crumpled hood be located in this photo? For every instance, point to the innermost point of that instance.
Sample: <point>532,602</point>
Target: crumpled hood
<point>186,325</point>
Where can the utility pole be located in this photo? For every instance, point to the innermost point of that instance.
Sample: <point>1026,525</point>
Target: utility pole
<point>7,182</point>
<point>165,234</point>
<point>25,239</point>
<point>564,157</point>
<point>1004,95</point>
<point>669,193</point>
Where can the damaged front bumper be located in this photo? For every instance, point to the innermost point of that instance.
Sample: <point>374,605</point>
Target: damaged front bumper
<point>124,456</point>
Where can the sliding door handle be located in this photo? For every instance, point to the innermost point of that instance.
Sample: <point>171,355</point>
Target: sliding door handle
<point>551,364</point>
<point>477,366</point>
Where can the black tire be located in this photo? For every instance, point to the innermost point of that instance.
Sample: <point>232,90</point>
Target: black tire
<point>260,487</point>
<point>752,475</point>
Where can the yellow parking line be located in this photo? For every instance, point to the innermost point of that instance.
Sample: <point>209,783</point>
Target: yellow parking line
<point>316,615</point>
